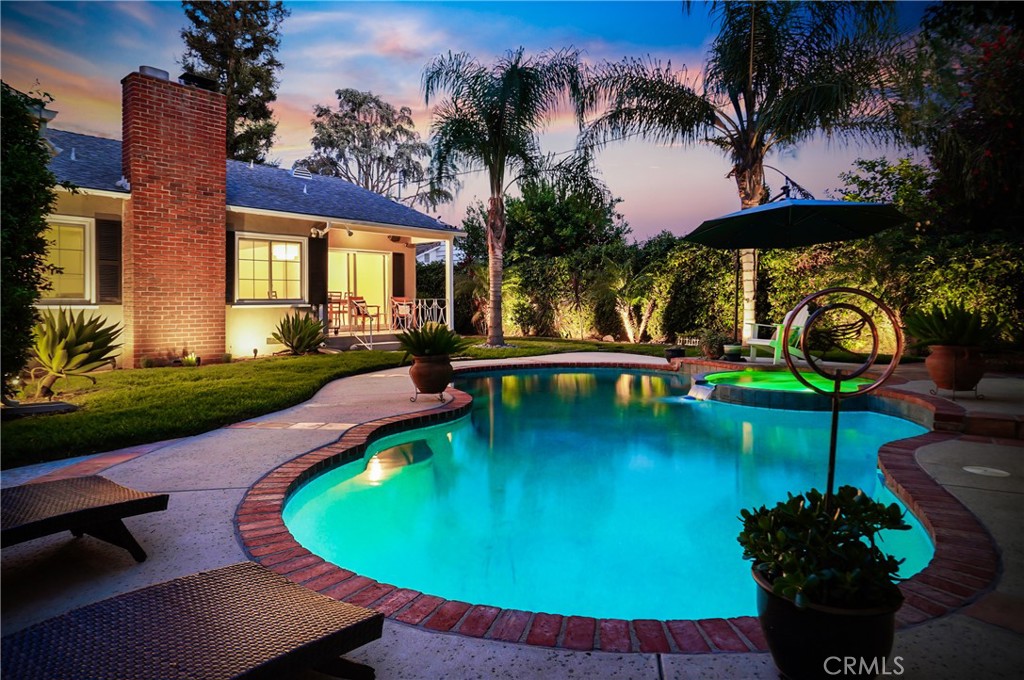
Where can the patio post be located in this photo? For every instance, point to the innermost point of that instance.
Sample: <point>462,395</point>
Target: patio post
<point>449,282</point>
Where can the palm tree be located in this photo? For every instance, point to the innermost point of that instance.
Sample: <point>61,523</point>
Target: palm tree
<point>490,121</point>
<point>778,74</point>
<point>631,291</point>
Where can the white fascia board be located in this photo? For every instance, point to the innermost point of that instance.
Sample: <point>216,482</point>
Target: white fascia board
<point>372,227</point>
<point>85,191</point>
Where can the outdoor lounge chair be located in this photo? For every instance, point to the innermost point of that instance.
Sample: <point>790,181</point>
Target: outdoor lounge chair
<point>82,505</point>
<point>239,621</point>
<point>775,341</point>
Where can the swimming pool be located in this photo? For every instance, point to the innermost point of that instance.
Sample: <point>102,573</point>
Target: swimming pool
<point>591,493</point>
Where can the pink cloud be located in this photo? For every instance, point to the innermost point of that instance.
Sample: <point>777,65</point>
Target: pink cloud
<point>141,12</point>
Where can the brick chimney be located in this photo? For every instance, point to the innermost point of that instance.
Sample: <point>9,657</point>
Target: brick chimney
<point>173,157</point>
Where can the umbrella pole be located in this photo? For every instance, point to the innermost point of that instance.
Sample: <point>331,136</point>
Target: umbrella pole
<point>736,300</point>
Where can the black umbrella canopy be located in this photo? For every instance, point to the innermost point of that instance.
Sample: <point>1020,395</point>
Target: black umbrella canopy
<point>793,223</point>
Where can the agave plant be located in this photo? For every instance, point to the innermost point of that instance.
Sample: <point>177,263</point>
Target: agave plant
<point>67,345</point>
<point>951,324</point>
<point>434,339</point>
<point>300,333</point>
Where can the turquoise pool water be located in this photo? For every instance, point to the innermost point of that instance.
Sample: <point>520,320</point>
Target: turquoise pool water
<point>596,493</point>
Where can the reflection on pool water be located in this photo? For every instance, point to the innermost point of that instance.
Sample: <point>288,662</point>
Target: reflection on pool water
<point>593,493</point>
<point>781,380</point>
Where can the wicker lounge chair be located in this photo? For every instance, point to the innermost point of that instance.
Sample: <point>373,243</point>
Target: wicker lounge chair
<point>239,621</point>
<point>82,505</point>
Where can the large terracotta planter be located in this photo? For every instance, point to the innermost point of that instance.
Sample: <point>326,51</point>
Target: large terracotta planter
<point>816,641</point>
<point>955,367</point>
<point>431,374</point>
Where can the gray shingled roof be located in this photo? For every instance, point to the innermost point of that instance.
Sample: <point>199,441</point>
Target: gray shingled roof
<point>97,165</point>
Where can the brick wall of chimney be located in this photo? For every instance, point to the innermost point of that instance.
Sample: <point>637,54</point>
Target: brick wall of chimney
<point>173,226</point>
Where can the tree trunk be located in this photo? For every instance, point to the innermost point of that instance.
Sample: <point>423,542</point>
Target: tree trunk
<point>626,314</point>
<point>495,268</point>
<point>750,183</point>
<point>648,312</point>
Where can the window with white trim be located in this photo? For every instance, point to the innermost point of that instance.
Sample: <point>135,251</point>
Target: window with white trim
<point>269,268</point>
<point>70,249</point>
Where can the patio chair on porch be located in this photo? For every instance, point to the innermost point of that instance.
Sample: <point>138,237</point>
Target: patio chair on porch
<point>361,312</point>
<point>337,307</point>
<point>403,313</point>
<point>238,621</point>
<point>774,343</point>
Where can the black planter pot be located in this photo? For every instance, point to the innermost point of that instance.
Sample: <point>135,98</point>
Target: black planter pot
<point>674,353</point>
<point>820,642</point>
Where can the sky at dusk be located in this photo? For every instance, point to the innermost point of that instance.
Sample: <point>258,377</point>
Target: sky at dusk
<point>79,51</point>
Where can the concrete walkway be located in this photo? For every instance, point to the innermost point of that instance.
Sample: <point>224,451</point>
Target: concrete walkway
<point>208,475</point>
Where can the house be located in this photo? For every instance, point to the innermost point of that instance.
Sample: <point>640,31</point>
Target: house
<point>188,249</point>
<point>428,253</point>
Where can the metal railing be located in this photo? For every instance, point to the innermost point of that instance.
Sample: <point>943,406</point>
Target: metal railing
<point>431,310</point>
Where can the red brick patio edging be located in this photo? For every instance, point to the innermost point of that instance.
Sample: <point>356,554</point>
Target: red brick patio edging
<point>965,564</point>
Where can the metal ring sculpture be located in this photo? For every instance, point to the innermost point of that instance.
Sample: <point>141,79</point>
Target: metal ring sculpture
<point>838,376</point>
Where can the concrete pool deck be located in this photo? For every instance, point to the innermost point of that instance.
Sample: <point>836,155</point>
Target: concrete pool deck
<point>208,475</point>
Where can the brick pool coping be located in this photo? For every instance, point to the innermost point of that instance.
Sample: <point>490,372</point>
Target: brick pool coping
<point>965,565</point>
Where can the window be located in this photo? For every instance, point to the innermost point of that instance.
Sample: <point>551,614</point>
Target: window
<point>270,269</point>
<point>70,249</point>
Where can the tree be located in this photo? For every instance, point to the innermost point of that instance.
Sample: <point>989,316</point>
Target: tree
<point>964,108</point>
<point>27,195</point>
<point>559,213</point>
<point>490,122</point>
<point>370,143</point>
<point>631,288</point>
<point>778,73</point>
<point>235,44</point>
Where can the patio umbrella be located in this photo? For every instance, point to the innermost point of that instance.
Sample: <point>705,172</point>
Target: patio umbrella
<point>792,223</point>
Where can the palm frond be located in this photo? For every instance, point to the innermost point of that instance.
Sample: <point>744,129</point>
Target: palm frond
<point>648,99</point>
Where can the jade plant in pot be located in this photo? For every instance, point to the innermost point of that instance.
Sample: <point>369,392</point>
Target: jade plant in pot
<point>955,337</point>
<point>824,587</point>
<point>431,348</point>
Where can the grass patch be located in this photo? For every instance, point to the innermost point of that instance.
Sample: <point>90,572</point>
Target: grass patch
<point>128,408</point>
<point>142,406</point>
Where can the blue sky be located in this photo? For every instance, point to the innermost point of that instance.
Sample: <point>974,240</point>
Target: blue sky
<point>79,51</point>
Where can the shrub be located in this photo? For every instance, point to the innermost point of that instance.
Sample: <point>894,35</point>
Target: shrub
<point>711,342</point>
<point>68,345</point>
<point>951,324</point>
<point>300,333</point>
<point>26,196</point>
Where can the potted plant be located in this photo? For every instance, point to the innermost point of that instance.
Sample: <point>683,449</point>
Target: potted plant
<point>732,352</point>
<point>955,337</point>
<point>824,587</point>
<point>431,348</point>
<point>711,343</point>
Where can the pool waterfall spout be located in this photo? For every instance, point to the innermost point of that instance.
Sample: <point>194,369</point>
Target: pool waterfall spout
<point>700,390</point>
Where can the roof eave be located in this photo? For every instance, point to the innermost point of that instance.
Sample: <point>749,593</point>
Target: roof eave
<point>372,227</point>
<point>89,191</point>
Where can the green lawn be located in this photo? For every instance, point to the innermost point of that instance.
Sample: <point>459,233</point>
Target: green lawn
<point>142,406</point>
